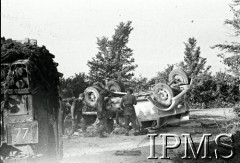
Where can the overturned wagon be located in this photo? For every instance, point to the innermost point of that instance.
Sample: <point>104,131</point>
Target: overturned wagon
<point>166,103</point>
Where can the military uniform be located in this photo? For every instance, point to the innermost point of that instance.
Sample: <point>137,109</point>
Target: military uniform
<point>101,115</point>
<point>77,106</point>
<point>127,103</point>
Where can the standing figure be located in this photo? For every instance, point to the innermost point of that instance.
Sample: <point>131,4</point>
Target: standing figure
<point>102,113</point>
<point>127,103</point>
<point>76,114</point>
<point>110,112</point>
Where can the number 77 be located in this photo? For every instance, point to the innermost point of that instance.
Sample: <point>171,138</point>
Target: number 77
<point>19,130</point>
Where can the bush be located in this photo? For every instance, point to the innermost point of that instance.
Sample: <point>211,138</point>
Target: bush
<point>74,85</point>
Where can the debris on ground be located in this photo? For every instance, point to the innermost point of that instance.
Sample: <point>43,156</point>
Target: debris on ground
<point>208,124</point>
<point>118,130</point>
<point>128,153</point>
<point>192,124</point>
<point>91,130</point>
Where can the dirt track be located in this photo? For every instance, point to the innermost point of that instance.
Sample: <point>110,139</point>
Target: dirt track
<point>102,150</point>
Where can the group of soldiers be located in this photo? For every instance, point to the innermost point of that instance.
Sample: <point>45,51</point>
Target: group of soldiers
<point>104,113</point>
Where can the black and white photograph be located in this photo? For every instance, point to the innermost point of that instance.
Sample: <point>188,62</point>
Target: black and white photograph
<point>120,81</point>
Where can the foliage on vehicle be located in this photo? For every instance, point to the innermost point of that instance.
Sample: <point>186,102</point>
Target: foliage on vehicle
<point>24,62</point>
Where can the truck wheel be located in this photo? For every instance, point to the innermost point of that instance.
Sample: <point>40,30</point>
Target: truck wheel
<point>179,76</point>
<point>163,94</point>
<point>114,86</point>
<point>91,96</point>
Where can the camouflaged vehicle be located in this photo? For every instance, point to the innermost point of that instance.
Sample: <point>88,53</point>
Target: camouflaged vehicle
<point>30,108</point>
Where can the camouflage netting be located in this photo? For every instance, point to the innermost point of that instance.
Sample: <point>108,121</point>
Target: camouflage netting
<point>27,66</point>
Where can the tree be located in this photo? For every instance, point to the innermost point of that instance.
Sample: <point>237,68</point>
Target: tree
<point>203,90</point>
<point>74,85</point>
<point>193,63</point>
<point>232,61</point>
<point>162,76</point>
<point>232,49</point>
<point>139,84</point>
<point>227,87</point>
<point>114,60</point>
<point>194,66</point>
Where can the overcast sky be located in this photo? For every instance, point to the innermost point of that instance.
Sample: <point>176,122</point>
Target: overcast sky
<point>69,28</point>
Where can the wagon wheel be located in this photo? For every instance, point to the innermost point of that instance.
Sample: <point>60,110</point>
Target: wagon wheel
<point>91,96</point>
<point>163,94</point>
<point>114,86</point>
<point>178,76</point>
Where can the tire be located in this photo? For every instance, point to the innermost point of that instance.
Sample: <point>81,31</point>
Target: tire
<point>179,76</point>
<point>163,94</point>
<point>91,96</point>
<point>114,86</point>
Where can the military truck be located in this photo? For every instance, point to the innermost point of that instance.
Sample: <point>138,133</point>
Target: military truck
<point>164,104</point>
<point>30,106</point>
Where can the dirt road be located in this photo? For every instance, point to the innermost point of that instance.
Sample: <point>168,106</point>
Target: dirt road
<point>103,150</point>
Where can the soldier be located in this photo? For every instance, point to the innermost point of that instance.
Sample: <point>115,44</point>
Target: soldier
<point>110,112</point>
<point>76,114</point>
<point>66,110</point>
<point>102,113</point>
<point>127,103</point>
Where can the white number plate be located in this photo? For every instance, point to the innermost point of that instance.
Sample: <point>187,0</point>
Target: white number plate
<point>22,133</point>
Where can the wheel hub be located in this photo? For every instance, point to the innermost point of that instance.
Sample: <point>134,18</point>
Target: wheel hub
<point>163,94</point>
<point>178,78</point>
<point>92,97</point>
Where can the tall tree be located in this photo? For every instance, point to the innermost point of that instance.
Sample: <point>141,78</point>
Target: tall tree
<point>195,66</point>
<point>193,63</point>
<point>232,60</point>
<point>114,59</point>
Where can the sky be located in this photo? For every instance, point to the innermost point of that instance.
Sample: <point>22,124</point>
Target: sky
<point>69,29</point>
